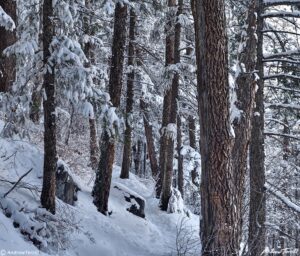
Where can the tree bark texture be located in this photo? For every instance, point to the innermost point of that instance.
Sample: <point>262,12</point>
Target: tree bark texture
<point>8,38</point>
<point>217,187</point>
<point>245,92</point>
<point>127,156</point>
<point>50,157</point>
<point>104,173</point>
<point>257,215</point>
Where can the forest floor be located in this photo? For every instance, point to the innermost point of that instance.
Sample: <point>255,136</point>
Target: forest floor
<point>81,229</point>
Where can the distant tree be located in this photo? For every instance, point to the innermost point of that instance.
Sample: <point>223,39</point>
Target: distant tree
<point>127,155</point>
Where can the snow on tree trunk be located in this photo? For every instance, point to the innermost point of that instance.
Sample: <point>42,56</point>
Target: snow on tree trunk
<point>257,215</point>
<point>166,159</point>
<point>104,173</point>
<point>242,111</point>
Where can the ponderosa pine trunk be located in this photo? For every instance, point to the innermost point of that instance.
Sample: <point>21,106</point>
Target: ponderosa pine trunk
<point>8,38</point>
<point>171,116</point>
<point>217,187</point>
<point>127,155</point>
<point>245,93</point>
<point>257,215</point>
<point>50,157</point>
<point>104,173</point>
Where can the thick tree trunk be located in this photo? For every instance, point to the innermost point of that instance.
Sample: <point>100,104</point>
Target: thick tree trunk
<point>7,64</point>
<point>126,163</point>
<point>217,188</point>
<point>150,140</point>
<point>245,92</point>
<point>50,158</point>
<point>180,158</point>
<point>168,154</point>
<point>257,215</point>
<point>104,173</point>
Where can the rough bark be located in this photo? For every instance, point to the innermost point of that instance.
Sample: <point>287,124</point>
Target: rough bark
<point>50,157</point>
<point>257,215</point>
<point>245,92</point>
<point>7,64</point>
<point>217,189</point>
<point>171,115</point>
<point>104,173</point>
<point>150,140</point>
<point>126,163</point>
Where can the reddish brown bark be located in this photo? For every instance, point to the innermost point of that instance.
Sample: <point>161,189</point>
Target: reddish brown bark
<point>217,188</point>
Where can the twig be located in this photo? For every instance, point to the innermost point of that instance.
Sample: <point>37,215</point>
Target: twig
<point>25,174</point>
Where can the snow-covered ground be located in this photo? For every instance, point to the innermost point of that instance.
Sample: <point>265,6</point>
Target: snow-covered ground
<point>80,229</point>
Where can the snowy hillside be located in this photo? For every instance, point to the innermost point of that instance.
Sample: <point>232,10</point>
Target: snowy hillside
<point>81,230</point>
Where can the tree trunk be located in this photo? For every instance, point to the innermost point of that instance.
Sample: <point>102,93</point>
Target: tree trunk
<point>94,146</point>
<point>50,158</point>
<point>180,158</point>
<point>150,140</point>
<point>36,97</point>
<point>138,158</point>
<point>170,44</point>
<point>126,163</point>
<point>257,215</point>
<point>245,92</point>
<point>168,154</point>
<point>8,38</point>
<point>192,138</point>
<point>104,173</point>
<point>217,191</point>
